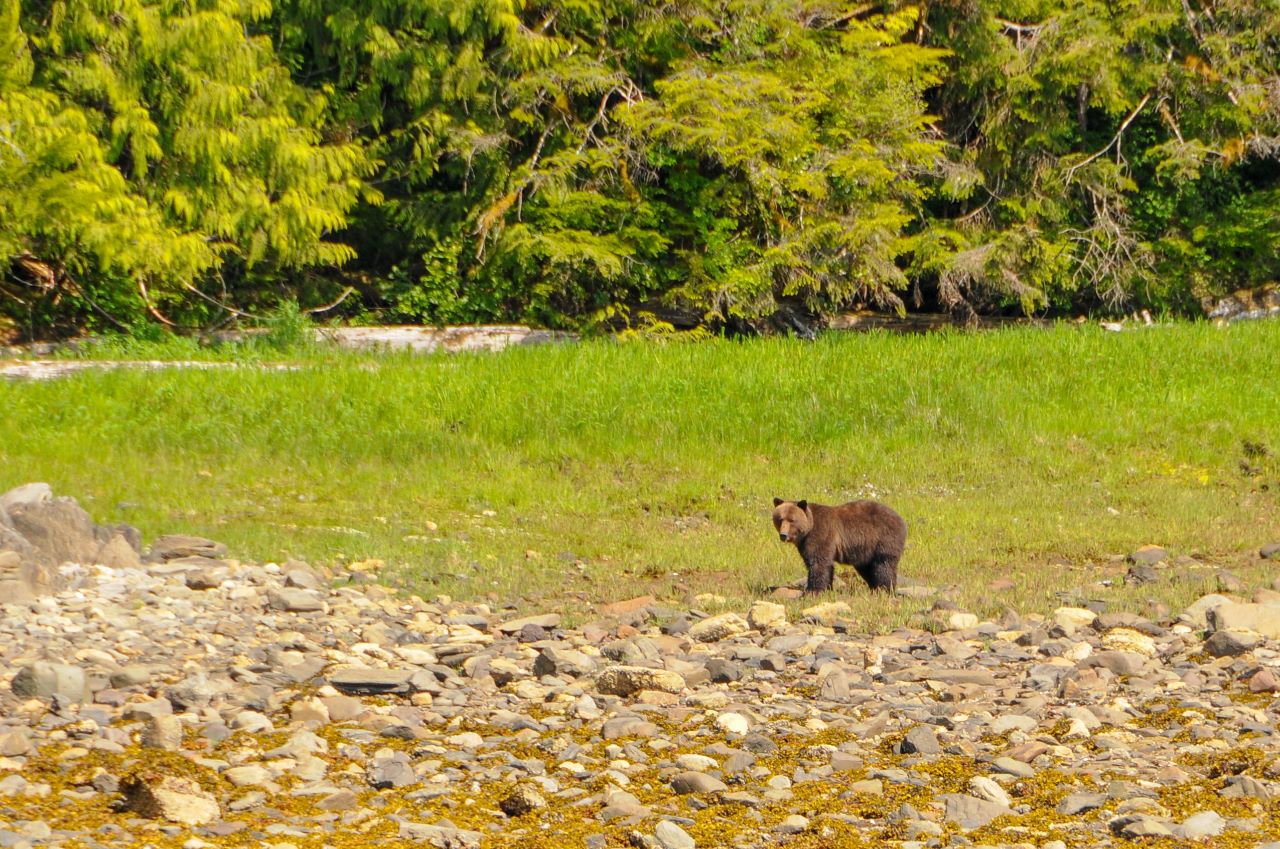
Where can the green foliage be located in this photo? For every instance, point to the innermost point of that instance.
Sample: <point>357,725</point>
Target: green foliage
<point>1126,150</point>
<point>625,162</point>
<point>154,148</point>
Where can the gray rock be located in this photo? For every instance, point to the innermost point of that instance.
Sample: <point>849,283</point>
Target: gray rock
<point>1244,786</point>
<point>628,726</point>
<point>365,681</point>
<point>1141,827</point>
<point>697,782</point>
<point>44,680</point>
<point>442,837</point>
<point>58,531</point>
<point>1009,766</point>
<point>547,622</point>
<point>1140,574</point>
<point>1119,662</point>
<point>671,836</point>
<point>920,740</point>
<point>1231,643</point>
<point>1200,826</point>
<point>563,662</point>
<point>294,600</point>
<point>969,812</point>
<point>390,772</point>
<point>1078,803</point>
<point>1270,551</point>
<point>173,546</point>
<point>162,732</point>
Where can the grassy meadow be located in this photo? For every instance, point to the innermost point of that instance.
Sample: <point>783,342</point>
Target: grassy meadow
<point>569,475</point>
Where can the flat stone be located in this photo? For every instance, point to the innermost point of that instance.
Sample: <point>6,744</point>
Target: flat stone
<point>970,812</point>
<point>369,682</point>
<point>293,600</point>
<point>173,546</point>
<point>1078,803</point>
<point>1146,827</point>
<point>697,782</point>
<point>547,622</point>
<point>628,726</point>
<point>1270,551</point>
<point>1119,662</point>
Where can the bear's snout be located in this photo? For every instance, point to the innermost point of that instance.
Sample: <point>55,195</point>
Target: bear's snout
<point>784,537</point>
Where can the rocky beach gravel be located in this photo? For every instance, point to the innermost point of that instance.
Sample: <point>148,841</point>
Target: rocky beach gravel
<point>171,695</point>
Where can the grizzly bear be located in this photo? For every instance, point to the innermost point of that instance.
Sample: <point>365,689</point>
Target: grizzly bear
<point>866,535</point>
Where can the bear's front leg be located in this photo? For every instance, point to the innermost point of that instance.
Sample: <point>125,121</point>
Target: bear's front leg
<point>822,573</point>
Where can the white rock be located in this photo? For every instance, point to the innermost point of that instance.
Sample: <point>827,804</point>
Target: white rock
<point>733,723</point>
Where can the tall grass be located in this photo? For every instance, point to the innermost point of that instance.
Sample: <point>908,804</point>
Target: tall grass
<point>594,471</point>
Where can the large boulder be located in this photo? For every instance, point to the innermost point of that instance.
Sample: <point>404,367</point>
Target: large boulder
<point>38,533</point>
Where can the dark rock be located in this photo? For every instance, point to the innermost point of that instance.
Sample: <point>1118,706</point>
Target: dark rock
<point>1231,643</point>
<point>1141,573</point>
<point>370,682</point>
<point>723,671</point>
<point>919,740</point>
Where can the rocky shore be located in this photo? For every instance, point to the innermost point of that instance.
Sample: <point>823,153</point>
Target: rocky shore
<point>171,695</point>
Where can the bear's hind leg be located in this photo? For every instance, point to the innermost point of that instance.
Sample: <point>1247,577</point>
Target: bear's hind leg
<point>881,573</point>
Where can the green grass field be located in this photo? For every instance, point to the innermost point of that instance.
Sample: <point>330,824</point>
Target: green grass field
<point>573,474</point>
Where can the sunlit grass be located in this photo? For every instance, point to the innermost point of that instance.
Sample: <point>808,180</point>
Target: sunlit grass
<point>595,471</point>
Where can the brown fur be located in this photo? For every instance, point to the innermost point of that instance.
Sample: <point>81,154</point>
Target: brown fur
<point>866,535</point>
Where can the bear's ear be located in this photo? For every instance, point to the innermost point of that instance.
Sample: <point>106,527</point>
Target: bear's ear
<point>777,501</point>
<point>802,504</point>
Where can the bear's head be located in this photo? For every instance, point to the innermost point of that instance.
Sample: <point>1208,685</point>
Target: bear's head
<point>792,519</point>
